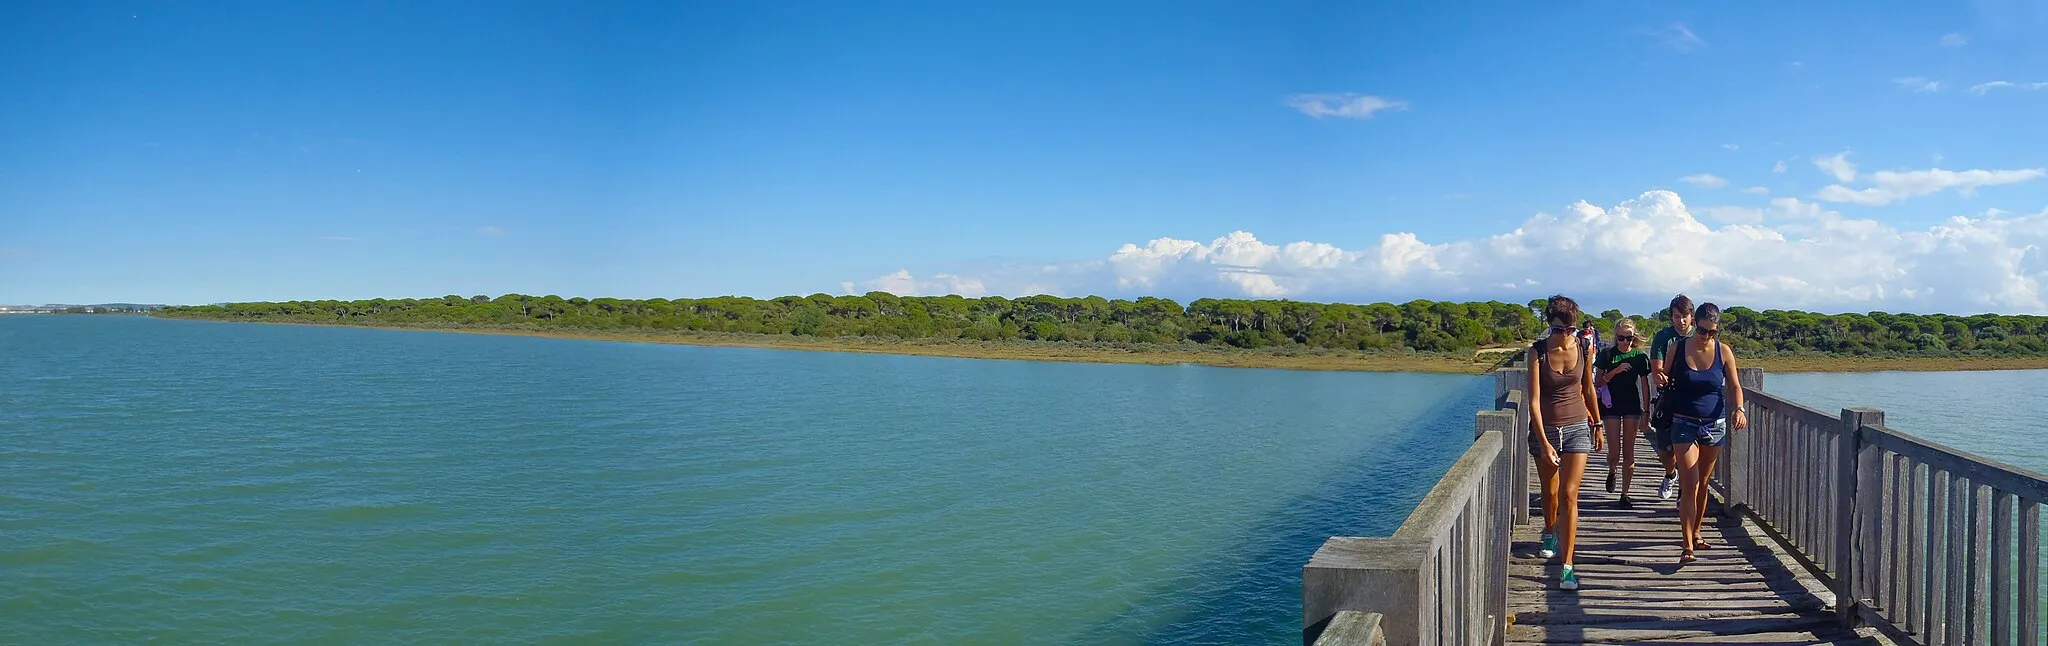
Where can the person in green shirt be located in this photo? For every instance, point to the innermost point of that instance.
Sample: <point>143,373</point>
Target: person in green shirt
<point>1681,322</point>
<point>1623,372</point>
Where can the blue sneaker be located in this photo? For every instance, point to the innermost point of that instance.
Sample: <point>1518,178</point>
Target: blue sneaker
<point>1549,546</point>
<point>1569,580</point>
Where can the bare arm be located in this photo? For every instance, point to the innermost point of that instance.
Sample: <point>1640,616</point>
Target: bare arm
<point>1535,394</point>
<point>1587,390</point>
<point>1592,404</point>
<point>1733,376</point>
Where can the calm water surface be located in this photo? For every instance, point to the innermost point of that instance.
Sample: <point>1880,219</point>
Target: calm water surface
<point>209,482</point>
<point>1994,414</point>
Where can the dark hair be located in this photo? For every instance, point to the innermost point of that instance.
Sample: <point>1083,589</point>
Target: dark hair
<point>1680,303</point>
<point>1707,313</point>
<point>1561,307</point>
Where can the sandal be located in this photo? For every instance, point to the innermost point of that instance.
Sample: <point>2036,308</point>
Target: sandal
<point>1686,557</point>
<point>1701,545</point>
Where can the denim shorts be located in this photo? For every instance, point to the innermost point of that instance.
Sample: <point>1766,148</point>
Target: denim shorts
<point>1576,437</point>
<point>1703,432</point>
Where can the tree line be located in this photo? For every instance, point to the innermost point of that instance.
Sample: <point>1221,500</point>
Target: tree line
<point>1420,325</point>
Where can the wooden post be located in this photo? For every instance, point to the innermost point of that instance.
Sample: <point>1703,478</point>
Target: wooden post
<point>1848,591</point>
<point>1734,453</point>
<point>1379,575</point>
<point>1500,527</point>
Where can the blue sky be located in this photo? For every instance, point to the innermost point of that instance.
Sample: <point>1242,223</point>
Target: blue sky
<point>200,152</point>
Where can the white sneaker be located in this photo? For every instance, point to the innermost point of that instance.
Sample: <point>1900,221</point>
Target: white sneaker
<point>1669,488</point>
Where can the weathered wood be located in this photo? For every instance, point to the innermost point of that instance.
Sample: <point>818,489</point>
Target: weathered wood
<point>1636,632</point>
<point>1353,628</point>
<point>1953,583</point>
<point>1895,506</point>
<point>1840,521</point>
<point>1976,598</point>
<point>2001,568</point>
<point>1849,586</point>
<point>2029,580</point>
<point>1912,577</point>
<point>1932,605</point>
<point>1985,471</point>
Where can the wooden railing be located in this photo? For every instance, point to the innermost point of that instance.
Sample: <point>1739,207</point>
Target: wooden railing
<point>1930,540</point>
<point>1442,577</point>
<point>1354,628</point>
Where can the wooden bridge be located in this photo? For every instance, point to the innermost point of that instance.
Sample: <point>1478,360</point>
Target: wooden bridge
<point>1930,545</point>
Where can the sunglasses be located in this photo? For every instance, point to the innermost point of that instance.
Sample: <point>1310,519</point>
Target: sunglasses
<point>1624,338</point>
<point>1711,333</point>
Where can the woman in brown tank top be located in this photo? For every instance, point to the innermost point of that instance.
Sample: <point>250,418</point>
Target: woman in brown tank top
<point>1563,428</point>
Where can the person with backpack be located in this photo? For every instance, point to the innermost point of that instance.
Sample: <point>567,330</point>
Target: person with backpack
<point>1622,371</point>
<point>1564,427</point>
<point>1705,397</point>
<point>1659,429</point>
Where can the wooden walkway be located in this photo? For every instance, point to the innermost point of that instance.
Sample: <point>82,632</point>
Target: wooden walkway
<point>1634,591</point>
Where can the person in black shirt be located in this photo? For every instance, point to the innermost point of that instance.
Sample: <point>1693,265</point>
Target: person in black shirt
<point>1623,372</point>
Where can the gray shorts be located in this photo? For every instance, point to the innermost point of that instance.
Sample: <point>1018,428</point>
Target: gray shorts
<point>1576,437</point>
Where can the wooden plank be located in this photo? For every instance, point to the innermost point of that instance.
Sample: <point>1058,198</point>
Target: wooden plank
<point>1933,605</point>
<point>1353,628</point>
<point>1953,585</point>
<point>2028,583</point>
<point>2001,568</point>
<point>1636,632</point>
<point>1975,599</point>
<point>1912,575</point>
<point>1893,571</point>
<point>1851,577</point>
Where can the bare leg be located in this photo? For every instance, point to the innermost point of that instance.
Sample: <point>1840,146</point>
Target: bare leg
<point>1573,470</point>
<point>1705,467</point>
<point>1546,475</point>
<point>1626,432</point>
<point>1686,456</point>
<point>1613,448</point>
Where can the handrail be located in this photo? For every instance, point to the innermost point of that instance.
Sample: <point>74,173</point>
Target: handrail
<point>1354,628</point>
<point>1442,577</point>
<point>1929,539</point>
<point>1985,471</point>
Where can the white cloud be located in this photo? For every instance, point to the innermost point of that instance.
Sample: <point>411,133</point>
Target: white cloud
<point>1793,254</point>
<point>1837,165</point>
<point>1731,147</point>
<point>1982,88</point>
<point>902,283</point>
<point>1708,180</point>
<point>1347,105</point>
<point>1890,186</point>
<point>1757,190</point>
<point>1918,84</point>
<point>1954,40</point>
<point>1778,167</point>
<point>488,230</point>
<point>1676,36</point>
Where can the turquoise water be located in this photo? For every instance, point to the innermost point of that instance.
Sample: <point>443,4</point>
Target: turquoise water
<point>209,482</point>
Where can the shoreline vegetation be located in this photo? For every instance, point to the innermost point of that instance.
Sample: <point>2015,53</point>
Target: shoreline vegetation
<point>1420,336</point>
